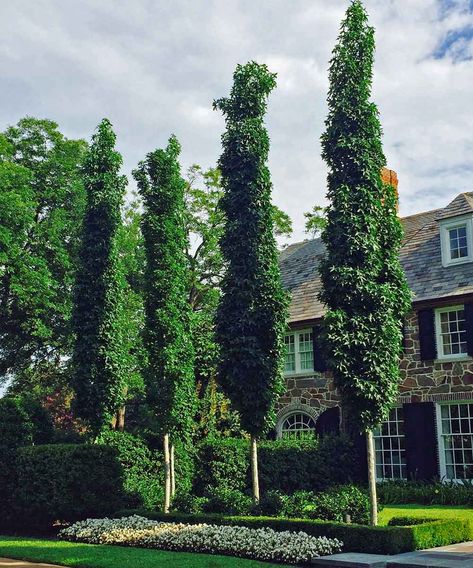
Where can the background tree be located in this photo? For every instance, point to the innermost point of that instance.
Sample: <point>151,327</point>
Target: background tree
<point>364,288</point>
<point>170,371</point>
<point>99,349</point>
<point>315,221</point>
<point>42,203</point>
<point>251,317</point>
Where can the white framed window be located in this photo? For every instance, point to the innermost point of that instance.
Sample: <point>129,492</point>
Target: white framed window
<point>390,447</point>
<point>297,424</point>
<point>450,327</point>
<point>456,240</point>
<point>299,352</point>
<point>455,430</point>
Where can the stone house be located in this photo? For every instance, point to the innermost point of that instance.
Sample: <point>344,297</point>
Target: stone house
<point>430,431</point>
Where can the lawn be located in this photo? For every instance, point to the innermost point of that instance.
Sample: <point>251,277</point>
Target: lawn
<point>101,556</point>
<point>434,511</point>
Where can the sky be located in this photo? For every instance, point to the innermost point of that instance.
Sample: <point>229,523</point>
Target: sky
<point>153,67</point>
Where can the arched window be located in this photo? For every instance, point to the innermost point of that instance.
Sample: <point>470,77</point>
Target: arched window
<point>297,424</point>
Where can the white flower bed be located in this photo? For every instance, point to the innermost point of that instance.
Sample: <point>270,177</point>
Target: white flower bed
<point>260,544</point>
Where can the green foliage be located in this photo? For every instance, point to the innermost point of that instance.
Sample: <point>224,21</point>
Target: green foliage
<point>142,468</point>
<point>170,372</point>
<point>338,502</point>
<point>437,493</point>
<point>16,428</point>
<point>409,521</point>
<point>227,501</point>
<point>42,427</point>
<point>41,206</point>
<point>222,462</point>
<point>251,317</point>
<point>364,288</point>
<point>65,482</point>
<point>356,538</point>
<point>315,221</point>
<point>99,349</point>
<point>287,465</point>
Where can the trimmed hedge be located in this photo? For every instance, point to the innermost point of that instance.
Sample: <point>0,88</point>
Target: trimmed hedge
<point>423,493</point>
<point>287,465</point>
<point>64,482</point>
<point>355,538</point>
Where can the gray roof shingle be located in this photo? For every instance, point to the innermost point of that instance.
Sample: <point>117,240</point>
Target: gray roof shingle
<point>420,257</point>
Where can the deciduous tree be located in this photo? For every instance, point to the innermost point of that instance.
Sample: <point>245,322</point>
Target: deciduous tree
<point>251,317</point>
<point>170,371</point>
<point>364,288</point>
<point>98,377</point>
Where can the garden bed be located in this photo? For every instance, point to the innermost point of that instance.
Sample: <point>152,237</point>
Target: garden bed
<point>355,538</point>
<point>261,543</point>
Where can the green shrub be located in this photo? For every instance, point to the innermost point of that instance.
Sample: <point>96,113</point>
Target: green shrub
<point>188,503</point>
<point>308,463</point>
<point>271,504</point>
<point>42,427</point>
<point>435,493</point>
<point>286,465</point>
<point>356,538</point>
<point>16,428</point>
<point>222,462</point>
<point>409,521</point>
<point>142,469</point>
<point>227,501</point>
<point>299,504</point>
<point>339,502</point>
<point>65,482</point>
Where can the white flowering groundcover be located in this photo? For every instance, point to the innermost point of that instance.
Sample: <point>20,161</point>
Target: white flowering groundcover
<point>259,544</point>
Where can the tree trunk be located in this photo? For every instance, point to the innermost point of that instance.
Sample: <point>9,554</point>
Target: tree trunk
<point>121,418</point>
<point>173,473</point>
<point>372,478</point>
<point>254,470</point>
<point>167,475</point>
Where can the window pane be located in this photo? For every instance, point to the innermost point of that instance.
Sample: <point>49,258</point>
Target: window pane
<point>458,242</point>
<point>306,351</point>
<point>452,332</point>
<point>457,440</point>
<point>298,425</point>
<point>389,443</point>
<point>290,361</point>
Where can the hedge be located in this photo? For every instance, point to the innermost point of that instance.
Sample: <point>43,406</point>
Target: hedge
<point>436,493</point>
<point>63,482</point>
<point>355,538</point>
<point>287,465</point>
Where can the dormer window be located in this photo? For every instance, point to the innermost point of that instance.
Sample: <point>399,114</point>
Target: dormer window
<point>456,240</point>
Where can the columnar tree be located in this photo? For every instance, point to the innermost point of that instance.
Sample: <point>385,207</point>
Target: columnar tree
<point>99,353</point>
<point>170,372</point>
<point>251,316</point>
<point>364,288</point>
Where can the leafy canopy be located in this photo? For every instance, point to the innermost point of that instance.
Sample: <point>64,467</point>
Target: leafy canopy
<point>252,311</point>
<point>170,370</point>
<point>364,288</point>
<point>99,352</point>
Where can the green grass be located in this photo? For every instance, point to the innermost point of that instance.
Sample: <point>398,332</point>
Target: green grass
<point>101,556</point>
<point>434,511</point>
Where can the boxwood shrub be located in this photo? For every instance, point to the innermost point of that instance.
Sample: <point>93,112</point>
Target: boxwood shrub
<point>356,538</point>
<point>424,493</point>
<point>64,482</point>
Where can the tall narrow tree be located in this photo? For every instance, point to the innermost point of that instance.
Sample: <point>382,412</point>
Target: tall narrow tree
<point>251,317</point>
<point>364,288</point>
<point>170,372</point>
<point>98,360</point>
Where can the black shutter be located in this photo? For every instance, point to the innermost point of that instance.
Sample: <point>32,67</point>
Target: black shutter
<point>469,327</point>
<point>328,422</point>
<point>320,364</point>
<point>420,440</point>
<point>428,348</point>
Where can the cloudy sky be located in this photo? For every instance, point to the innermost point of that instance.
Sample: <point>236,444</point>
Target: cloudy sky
<point>154,66</point>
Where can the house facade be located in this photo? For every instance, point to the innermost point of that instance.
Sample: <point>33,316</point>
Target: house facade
<point>430,430</point>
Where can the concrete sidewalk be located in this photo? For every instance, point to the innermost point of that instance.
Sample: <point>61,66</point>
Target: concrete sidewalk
<point>12,563</point>
<point>452,556</point>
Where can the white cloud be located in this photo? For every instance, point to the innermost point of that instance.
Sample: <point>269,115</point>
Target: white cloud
<point>155,67</point>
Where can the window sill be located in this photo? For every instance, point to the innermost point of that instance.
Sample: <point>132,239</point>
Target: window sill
<point>299,374</point>
<point>464,359</point>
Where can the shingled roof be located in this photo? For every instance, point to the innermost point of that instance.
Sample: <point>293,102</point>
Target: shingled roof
<point>420,256</point>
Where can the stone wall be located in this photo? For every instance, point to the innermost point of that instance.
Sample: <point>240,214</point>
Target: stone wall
<point>422,381</point>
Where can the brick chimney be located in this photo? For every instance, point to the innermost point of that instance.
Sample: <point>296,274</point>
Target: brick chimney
<point>389,177</point>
